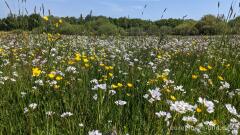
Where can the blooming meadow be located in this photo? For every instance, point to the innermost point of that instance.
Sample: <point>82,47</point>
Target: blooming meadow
<point>55,84</point>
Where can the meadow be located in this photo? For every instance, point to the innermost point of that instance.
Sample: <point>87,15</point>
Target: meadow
<point>53,84</point>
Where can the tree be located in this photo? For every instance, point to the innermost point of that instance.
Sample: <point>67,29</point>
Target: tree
<point>211,25</point>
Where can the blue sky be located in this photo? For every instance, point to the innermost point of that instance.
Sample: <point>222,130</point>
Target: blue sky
<point>118,8</point>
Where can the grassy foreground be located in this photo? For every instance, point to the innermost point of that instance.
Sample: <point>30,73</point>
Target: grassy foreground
<point>52,84</point>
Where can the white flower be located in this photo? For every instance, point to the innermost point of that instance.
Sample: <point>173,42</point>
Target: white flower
<point>94,132</point>
<point>181,107</point>
<point>232,109</point>
<point>66,114</point>
<point>189,119</point>
<point>26,110</point>
<point>80,125</point>
<point>155,94</point>
<point>95,97</point>
<point>234,126</point>
<point>179,88</point>
<point>225,85</point>
<point>100,86</point>
<point>120,102</point>
<point>112,92</point>
<point>33,106</point>
<point>50,113</point>
<point>208,104</point>
<point>209,123</point>
<point>167,115</point>
<point>23,94</point>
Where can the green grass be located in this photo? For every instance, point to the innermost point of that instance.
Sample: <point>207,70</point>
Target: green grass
<point>131,59</point>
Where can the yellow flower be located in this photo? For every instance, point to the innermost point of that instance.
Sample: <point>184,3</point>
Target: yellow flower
<point>228,65</point>
<point>173,98</point>
<point>201,68</point>
<point>87,65</point>
<point>209,67</point>
<point>110,67</point>
<point>56,86</point>
<point>36,71</point>
<point>60,21</point>
<point>51,75</point>
<point>110,74</point>
<point>106,67</point>
<point>77,57</point>
<point>130,85</point>
<point>85,60</point>
<point>70,62</point>
<point>58,78</point>
<point>101,64</point>
<point>45,18</point>
<point>194,77</point>
<point>210,82</point>
<point>220,78</point>
<point>114,86</point>
<point>119,85</point>
<point>198,110</point>
<point>215,122</point>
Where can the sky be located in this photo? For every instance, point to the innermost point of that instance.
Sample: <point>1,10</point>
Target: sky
<point>194,9</point>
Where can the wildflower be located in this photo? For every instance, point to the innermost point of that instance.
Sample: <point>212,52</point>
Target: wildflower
<point>110,74</point>
<point>36,72</point>
<point>232,109</point>
<point>209,67</point>
<point>201,68</point>
<point>94,132</point>
<point>51,75</point>
<point>130,85</point>
<point>50,113</point>
<point>120,102</point>
<point>234,126</point>
<point>114,86</point>
<point>95,97</point>
<point>33,106</point>
<point>181,107</point>
<point>77,57</point>
<point>173,98</point>
<point>209,123</point>
<point>66,114</point>
<point>119,85</point>
<point>194,77</point>
<point>85,60</point>
<point>220,78</point>
<point>60,21</point>
<point>225,85</point>
<point>58,78</point>
<point>208,104</point>
<point>198,110</point>
<point>155,95</point>
<point>189,119</point>
<point>45,18</point>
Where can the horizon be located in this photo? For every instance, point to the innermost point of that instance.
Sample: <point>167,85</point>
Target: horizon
<point>142,9</point>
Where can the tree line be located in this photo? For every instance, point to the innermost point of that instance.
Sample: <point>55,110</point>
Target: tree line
<point>101,25</point>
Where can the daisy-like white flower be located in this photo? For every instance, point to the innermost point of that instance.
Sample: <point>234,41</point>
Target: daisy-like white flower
<point>208,104</point>
<point>181,107</point>
<point>191,119</point>
<point>66,114</point>
<point>225,85</point>
<point>33,106</point>
<point>234,126</point>
<point>120,102</point>
<point>155,95</point>
<point>232,109</point>
<point>94,132</point>
<point>50,113</point>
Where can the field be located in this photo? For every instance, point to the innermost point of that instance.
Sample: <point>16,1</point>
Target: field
<point>55,84</point>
